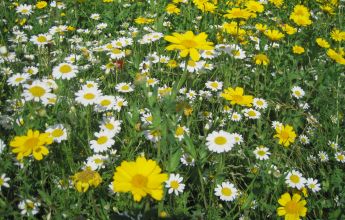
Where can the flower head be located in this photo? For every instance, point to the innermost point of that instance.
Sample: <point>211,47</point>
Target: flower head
<point>285,134</point>
<point>86,178</point>
<point>140,177</point>
<point>188,43</point>
<point>236,96</point>
<point>292,208</point>
<point>33,143</point>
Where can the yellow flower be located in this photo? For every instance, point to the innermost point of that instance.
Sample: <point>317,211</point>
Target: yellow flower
<point>274,35</point>
<point>285,134</point>
<point>188,43</point>
<point>322,43</point>
<point>297,49</point>
<point>142,20</point>
<point>236,13</point>
<point>338,35</point>
<point>277,3</point>
<point>172,9</point>
<point>261,59</point>
<point>41,4</point>
<point>289,29</point>
<point>292,208</point>
<point>301,15</point>
<point>140,177</point>
<point>86,178</point>
<point>31,143</point>
<point>337,57</point>
<point>236,96</point>
<point>261,27</point>
<point>255,6</point>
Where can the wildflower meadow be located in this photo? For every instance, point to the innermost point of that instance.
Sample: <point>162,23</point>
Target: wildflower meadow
<point>172,109</point>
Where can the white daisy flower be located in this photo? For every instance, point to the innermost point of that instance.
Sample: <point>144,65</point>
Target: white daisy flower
<point>304,139</point>
<point>111,125</point>
<point>103,142</point>
<point>226,191</point>
<point>88,96</point>
<point>251,113</point>
<point>214,85</point>
<point>41,39</point>
<point>180,132</point>
<point>259,103</point>
<point>174,184</point>
<point>65,71</point>
<point>187,160</point>
<point>116,54</point>
<point>193,66</point>
<point>262,153</point>
<point>4,181</point>
<point>24,9</point>
<point>295,179</point>
<point>323,156</point>
<point>37,91</point>
<point>209,54</point>
<point>124,87</point>
<point>29,207</point>
<point>237,137</point>
<point>235,116</point>
<point>106,103</point>
<point>297,92</point>
<point>58,132</point>
<point>17,79</point>
<point>340,156</point>
<point>152,135</point>
<point>31,70</point>
<point>220,141</point>
<point>313,185</point>
<point>120,103</point>
<point>96,161</point>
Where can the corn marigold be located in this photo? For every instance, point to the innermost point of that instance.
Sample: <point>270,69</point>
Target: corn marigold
<point>140,177</point>
<point>86,178</point>
<point>188,43</point>
<point>292,208</point>
<point>33,143</point>
<point>285,134</point>
<point>236,96</point>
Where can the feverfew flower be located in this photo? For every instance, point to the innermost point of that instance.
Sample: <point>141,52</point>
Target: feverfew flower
<point>262,153</point>
<point>29,207</point>
<point>174,184</point>
<point>220,141</point>
<point>297,92</point>
<point>340,156</point>
<point>313,185</point>
<point>226,191</point>
<point>295,179</point>
<point>4,181</point>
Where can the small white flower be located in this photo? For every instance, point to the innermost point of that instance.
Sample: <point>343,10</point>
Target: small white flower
<point>297,92</point>
<point>313,185</point>
<point>295,179</point>
<point>262,153</point>
<point>226,191</point>
<point>174,184</point>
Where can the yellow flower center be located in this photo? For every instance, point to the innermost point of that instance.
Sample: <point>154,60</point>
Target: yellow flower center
<point>260,103</point>
<point>42,39</point>
<point>294,178</point>
<point>31,142</point>
<point>38,149</point>
<point>65,68</point>
<point>284,135</point>
<point>109,126</point>
<point>102,140</point>
<point>251,113</point>
<point>179,131</point>
<point>19,79</point>
<point>226,192</point>
<point>89,96</point>
<point>174,184</point>
<point>125,87</point>
<point>189,43</point>
<point>220,140</point>
<point>261,152</point>
<point>57,132</point>
<point>297,93</point>
<point>1,181</point>
<point>116,51</point>
<point>291,207</point>
<point>341,157</point>
<point>191,63</point>
<point>37,91</point>
<point>29,205</point>
<point>85,176</point>
<point>149,118</point>
<point>120,103</point>
<point>214,85</point>
<point>105,102</point>
<point>98,161</point>
<point>237,98</point>
<point>139,181</point>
